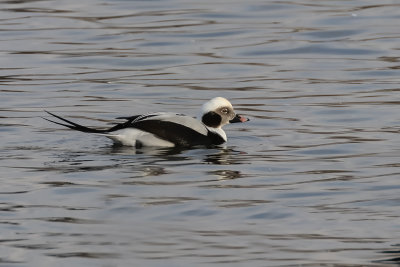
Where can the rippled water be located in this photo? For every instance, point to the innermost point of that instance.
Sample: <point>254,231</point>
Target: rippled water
<point>311,180</point>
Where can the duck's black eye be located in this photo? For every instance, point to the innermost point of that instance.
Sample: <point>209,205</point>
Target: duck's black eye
<point>225,110</point>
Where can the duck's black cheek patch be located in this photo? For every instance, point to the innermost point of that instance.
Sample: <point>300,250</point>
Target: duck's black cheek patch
<point>211,119</point>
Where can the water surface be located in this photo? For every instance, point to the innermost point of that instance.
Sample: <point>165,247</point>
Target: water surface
<point>311,180</point>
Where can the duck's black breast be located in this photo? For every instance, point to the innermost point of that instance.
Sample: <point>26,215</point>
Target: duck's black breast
<point>215,139</point>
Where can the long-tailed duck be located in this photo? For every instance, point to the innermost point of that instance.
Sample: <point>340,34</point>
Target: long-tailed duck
<point>169,129</point>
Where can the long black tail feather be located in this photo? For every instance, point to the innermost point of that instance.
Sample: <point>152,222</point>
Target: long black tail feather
<point>73,125</point>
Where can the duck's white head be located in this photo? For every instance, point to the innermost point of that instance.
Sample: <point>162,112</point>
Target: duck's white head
<point>218,112</point>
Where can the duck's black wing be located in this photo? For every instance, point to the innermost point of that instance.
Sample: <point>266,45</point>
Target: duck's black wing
<point>179,134</point>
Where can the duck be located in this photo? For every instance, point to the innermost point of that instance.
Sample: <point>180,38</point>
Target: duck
<point>166,129</point>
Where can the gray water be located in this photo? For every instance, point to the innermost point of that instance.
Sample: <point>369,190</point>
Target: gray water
<point>311,180</point>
